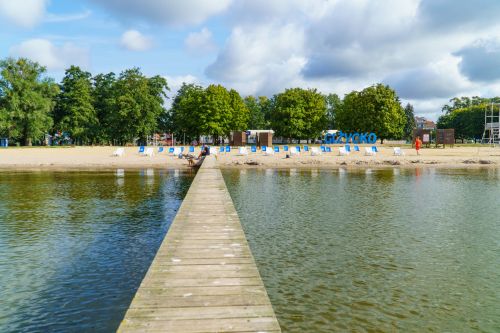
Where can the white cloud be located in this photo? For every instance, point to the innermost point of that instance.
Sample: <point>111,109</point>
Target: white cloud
<point>53,18</point>
<point>429,108</point>
<point>261,59</point>
<point>171,12</point>
<point>338,46</point>
<point>200,42</point>
<point>439,79</point>
<point>175,83</point>
<point>53,57</point>
<point>25,13</point>
<point>135,41</point>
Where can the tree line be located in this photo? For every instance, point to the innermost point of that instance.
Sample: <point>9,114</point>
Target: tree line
<point>466,116</point>
<point>126,108</point>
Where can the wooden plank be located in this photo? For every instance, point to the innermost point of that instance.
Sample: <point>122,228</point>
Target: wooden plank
<point>198,301</point>
<point>202,281</point>
<point>203,277</point>
<point>202,268</point>
<point>200,291</point>
<point>254,324</point>
<point>204,312</point>
<point>190,274</point>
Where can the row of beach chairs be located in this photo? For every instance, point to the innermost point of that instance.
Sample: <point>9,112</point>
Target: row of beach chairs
<point>143,151</point>
<point>296,150</point>
<point>292,150</point>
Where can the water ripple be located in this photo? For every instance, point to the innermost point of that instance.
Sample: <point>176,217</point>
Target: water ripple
<point>74,246</point>
<point>378,252</point>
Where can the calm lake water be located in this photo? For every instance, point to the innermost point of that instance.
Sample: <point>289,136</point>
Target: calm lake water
<point>375,251</point>
<point>74,246</point>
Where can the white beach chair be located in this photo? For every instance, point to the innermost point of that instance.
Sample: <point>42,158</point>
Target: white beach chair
<point>294,151</point>
<point>148,152</point>
<point>315,151</point>
<point>369,151</point>
<point>398,152</point>
<point>343,151</point>
<point>177,151</point>
<point>242,151</point>
<point>119,152</point>
<point>269,151</point>
<point>213,151</point>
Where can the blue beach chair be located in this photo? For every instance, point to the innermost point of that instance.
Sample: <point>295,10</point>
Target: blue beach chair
<point>182,149</point>
<point>298,148</point>
<point>264,149</point>
<point>328,149</point>
<point>171,150</point>
<point>374,149</point>
<point>306,148</point>
<point>191,149</point>
<point>228,149</point>
<point>141,149</point>
<point>160,149</point>
<point>253,149</point>
<point>356,148</point>
<point>323,149</point>
<point>348,148</point>
<point>276,149</point>
<point>221,149</point>
<point>285,148</point>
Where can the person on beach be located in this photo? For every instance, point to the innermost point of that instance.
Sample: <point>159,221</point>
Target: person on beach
<point>205,151</point>
<point>418,144</point>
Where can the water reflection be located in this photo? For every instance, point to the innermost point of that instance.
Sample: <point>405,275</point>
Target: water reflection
<point>408,251</point>
<point>74,246</point>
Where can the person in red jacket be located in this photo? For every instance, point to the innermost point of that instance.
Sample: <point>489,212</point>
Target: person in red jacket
<point>418,144</point>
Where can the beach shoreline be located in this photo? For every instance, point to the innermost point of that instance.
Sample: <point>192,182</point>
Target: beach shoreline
<point>101,158</point>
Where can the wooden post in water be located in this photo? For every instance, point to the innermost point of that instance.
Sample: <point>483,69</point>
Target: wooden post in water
<point>203,278</point>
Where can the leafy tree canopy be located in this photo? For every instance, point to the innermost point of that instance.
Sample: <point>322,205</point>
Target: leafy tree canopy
<point>186,114</point>
<point>26,100</point>
<point>374,109</point>
<point>333,103</point>
<point>298,113</point>
<point>74,111</point>
<point>409,122</point>
<point>468,122</point>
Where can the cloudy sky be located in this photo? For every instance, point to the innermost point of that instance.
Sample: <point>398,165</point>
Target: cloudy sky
<point>428,50</point>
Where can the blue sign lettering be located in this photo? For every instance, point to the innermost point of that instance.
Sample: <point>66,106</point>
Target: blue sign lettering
<point>341,137</point>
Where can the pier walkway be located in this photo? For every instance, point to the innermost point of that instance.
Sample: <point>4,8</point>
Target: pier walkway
<point>203,278</point>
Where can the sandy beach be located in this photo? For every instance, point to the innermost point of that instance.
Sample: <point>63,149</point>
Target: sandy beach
<point>102,158</point>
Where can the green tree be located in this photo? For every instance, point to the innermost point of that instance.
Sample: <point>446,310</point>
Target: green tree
<point>333,103</point>
<point>185,117</point>
<point>468,122</point>
<point>409,122</point>
<point>240,114</point>
<point>138,105</point>
<point>462,103</point>
<point>374,109</point>
<point>256,114</point>
<point>299,114</point>
<point>104,105</point>
<point>74,111</point>
<point>26,100</point>
<point>217,117</point>
<point>267,108</point>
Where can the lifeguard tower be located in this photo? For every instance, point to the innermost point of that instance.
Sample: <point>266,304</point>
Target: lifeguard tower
<point>491,134</point>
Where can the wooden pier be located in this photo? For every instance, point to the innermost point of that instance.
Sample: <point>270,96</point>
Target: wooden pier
<point>203,278</point>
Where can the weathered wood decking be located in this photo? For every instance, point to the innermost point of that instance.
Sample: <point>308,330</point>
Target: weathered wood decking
<point>203,278</point>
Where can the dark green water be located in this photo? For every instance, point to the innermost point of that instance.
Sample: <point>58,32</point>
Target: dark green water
<point>74,246</point>
<point>375,251</point>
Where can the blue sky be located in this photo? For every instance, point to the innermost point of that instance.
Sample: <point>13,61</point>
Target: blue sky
<point>428,50</point>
